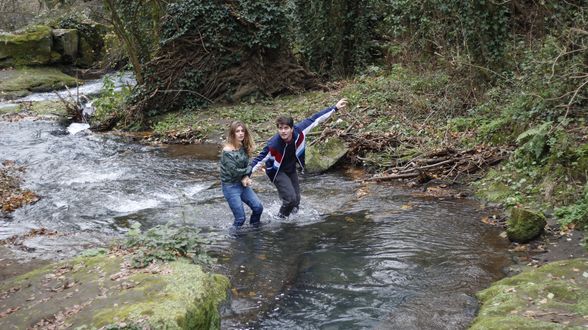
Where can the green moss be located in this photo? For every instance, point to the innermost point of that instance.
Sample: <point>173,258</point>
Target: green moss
<point>178,296</point>
<point>494,191</point>
<point>30,47</point>
<point>521,302</point>
<point>188,299</point>
<point>35,79</point>
<point>524,225</point>
<point>48,108</point>
<point>321,156</point>
<point>91,39</point>
<point>512,322</point>
<point>9,109</point>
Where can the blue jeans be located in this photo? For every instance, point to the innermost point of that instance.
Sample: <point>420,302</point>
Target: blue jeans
<point>236,195</point>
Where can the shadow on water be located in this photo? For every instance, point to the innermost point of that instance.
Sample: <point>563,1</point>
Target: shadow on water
<point>355,257</point>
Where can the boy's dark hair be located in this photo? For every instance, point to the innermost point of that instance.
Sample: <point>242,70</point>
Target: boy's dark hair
<point>284,120</point>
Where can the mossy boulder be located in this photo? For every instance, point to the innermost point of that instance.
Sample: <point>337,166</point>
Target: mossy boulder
<point>91,40</point>
<point>65,42</point>
<point>100,291</point>
<point>554,296</point>
<point>322,156</point>
<point>524,225</point>
<point>32,46</point>
<point>22,81</point>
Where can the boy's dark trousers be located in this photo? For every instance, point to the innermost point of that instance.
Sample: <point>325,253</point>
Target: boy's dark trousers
<point>289,191</point>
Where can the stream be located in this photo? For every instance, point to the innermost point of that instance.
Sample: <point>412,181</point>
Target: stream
<point>356,256</point>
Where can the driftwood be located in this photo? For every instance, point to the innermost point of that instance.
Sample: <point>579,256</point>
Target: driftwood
<point>393,177</point>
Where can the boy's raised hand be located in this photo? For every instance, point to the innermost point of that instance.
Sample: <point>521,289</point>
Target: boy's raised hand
<point>341,104</point>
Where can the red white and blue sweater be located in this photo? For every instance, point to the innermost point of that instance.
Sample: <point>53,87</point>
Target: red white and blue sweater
<point>273,152</point>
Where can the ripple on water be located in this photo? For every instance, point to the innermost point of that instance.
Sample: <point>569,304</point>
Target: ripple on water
<point>125,205</point>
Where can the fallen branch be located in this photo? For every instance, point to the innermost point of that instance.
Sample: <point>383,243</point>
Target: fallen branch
<point>394,176</point>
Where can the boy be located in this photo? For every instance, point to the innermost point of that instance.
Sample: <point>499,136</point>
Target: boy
<point>284,150</point>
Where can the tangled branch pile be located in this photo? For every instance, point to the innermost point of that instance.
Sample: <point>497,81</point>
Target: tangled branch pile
<point>407,158</point>
<point>397,155</point>
<point>220,51</point>
<point>446,163</point>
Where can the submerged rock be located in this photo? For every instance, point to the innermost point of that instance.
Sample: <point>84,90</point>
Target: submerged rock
<point>322,156</point>
<point>554,296</point>
<point>99,291</point>
<point>524,225</point>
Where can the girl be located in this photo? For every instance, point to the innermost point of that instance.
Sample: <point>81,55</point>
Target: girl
<point>234,174</point>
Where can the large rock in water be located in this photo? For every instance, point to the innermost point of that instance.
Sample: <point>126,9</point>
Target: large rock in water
<point>95,292</point>
<point>32,46</point>
<point>322,156</point>
<point>524,225</point>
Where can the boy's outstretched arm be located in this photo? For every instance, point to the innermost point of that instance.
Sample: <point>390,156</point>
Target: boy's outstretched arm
<point>311,122</point>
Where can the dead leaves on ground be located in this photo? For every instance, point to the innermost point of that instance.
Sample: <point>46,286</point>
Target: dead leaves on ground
<point>12,196</point>
<point>18,240</point>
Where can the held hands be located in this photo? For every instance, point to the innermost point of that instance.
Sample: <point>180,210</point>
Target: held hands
<point>341,104</point>
<point>246,181</point>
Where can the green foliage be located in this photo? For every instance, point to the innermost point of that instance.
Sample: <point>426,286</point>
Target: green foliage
<point>416,94</point>
<point>213,51</point>
<point>547,170</point>
<point>165,243</point>
<point>576,213</point>
<point>335,37</point>
<point>533,142</point>
<point>137,25</point>
<point>140,23</point>
<point>481,27</point>
<point>221,24</point>
<point>481,32</point>
<point>461,124</point>
<point>111,102</point>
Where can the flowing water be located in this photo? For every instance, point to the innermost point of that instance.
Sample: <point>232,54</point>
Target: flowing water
<point>355,257</point>
<point>87,88</point>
